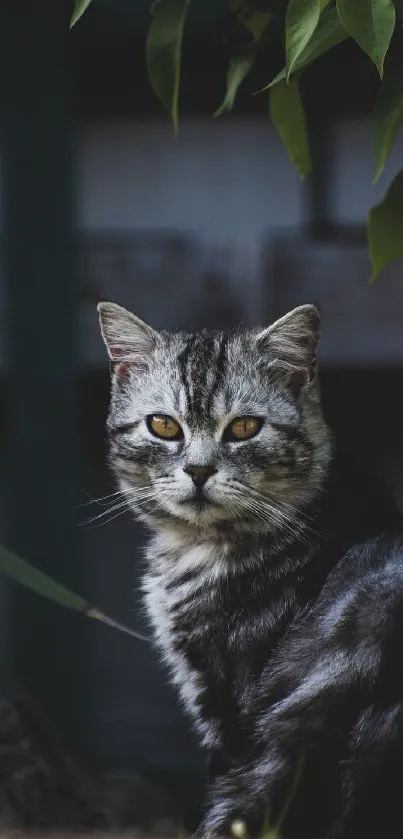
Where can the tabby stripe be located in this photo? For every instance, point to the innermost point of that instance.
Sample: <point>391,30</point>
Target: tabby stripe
<point>221,364</point>
<point>183,359</point>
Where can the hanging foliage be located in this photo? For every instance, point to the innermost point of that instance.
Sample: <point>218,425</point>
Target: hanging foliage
<point>310,29</point>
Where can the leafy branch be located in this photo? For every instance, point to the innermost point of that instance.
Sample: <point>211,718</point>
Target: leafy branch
<point>27,575</point>
<point>310,29</point>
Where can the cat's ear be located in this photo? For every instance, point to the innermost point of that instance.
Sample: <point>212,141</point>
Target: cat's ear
<point>290,344</point>
<point>127,338</point>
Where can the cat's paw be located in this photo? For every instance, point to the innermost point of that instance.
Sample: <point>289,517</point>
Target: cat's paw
<point>222,823</point>
<point>236,830</point>
<point>236,807</point>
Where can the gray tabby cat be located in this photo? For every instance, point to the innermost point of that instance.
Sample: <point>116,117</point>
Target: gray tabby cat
<point>275,639</point>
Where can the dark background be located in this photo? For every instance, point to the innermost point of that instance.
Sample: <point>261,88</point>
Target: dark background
<point>99,201</point>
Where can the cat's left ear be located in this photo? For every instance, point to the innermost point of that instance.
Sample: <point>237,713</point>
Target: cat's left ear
<point>127,338</point>
<point>290,344</point>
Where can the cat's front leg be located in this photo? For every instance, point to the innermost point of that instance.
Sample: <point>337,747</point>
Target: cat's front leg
<point>223,808</point>
<point>225,783</point>
<point>243,795</point>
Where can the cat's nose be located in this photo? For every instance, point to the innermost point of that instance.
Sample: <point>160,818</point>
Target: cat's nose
<point>199,474</point>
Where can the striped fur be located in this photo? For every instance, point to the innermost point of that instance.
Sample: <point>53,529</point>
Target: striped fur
<point>279,622</point>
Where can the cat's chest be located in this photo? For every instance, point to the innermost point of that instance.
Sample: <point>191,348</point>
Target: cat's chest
<point>183,601</point>
<point>182,596</point>
<point>212,628</point>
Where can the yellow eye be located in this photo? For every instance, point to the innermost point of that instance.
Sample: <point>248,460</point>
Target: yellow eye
<point>165,427</point>
<point>242,428</point>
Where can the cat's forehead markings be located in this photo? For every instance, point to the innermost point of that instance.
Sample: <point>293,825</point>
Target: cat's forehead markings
<point>201,367</point>
<point>201,370</point>
<point>219,369</point>
<point>183,361</point>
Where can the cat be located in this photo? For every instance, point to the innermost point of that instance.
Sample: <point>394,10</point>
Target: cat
<point>275,597</point>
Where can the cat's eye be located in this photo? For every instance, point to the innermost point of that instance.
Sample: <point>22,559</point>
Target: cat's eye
<point>242,428</point>
<point>164,427</point>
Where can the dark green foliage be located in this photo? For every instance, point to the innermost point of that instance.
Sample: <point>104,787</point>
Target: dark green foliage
<point>310,29</point>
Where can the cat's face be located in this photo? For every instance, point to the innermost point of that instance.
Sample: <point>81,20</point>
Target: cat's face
<point>216,430</point>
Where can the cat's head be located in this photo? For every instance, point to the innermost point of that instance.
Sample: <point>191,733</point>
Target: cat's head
<point>216,431</point>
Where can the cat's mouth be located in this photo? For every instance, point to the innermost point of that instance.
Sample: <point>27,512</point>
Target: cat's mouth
<point>199,500</point>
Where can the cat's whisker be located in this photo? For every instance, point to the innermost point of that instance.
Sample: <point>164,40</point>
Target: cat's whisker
<point>233,511</point>
<point>129,498</point>
<point>284,504</point>
<point>145,497</point>
<point>251,500</point>
<point>92,524</point>
<point>101,499</point>
<point>291,507</point>
<point>294,519</point>
<point>260,511</point>
<point>292,523</point>
<point>113,495</point>
<point>271,515</point>
<point>122,505</point>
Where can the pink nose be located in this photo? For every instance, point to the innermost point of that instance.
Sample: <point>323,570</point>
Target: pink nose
<point>199,474</point>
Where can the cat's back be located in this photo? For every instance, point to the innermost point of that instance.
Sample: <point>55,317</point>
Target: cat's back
<point>360,609</point>
<point>354,625</point>
<point>372,569</point>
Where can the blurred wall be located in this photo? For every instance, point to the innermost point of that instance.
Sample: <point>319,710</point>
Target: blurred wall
<point>191,232</point>
<point>137,174</point>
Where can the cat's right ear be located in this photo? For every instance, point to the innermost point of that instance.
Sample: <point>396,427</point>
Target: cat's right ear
<point>128,339</point>
<point>290,343</point>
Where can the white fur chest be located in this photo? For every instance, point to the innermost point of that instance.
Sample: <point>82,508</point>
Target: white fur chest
<point>178,574</point>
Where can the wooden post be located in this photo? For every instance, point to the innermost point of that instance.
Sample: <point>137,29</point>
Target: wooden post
<point>44,642</point>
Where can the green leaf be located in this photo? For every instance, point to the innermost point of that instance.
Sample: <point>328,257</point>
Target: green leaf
<point>79,9</point>
<point>388,117</point>
<point>288,117</point>
<point>27,575</point>
<point>385,228</point>
<point>328,33</point>
<point>163,52</point>
<point>255,20</point>
<point>238,69</point>
<point>301,21</point>
<point>371,23</point>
